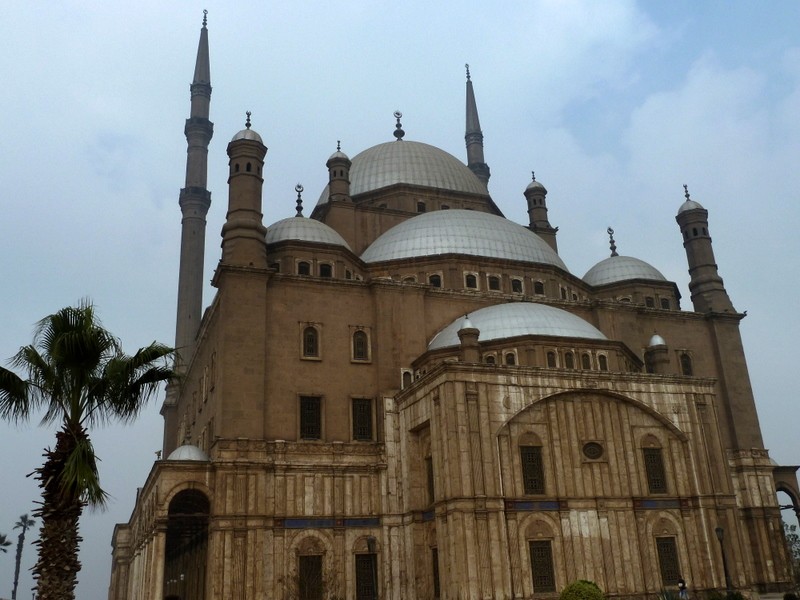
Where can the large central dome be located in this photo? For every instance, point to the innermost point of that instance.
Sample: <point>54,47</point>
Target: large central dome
<point>467,232</point>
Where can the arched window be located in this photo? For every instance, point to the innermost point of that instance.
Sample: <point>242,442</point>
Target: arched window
<point>569,360</point>
<point>650,302</point>
<point>511,359</point>
<point>186,545</point>
<point>325,270</point>
<point>407,379</point>
<point>303,268</point>
<point>602,361</point>
<point>516,286</point>
<point>586,361</point>
<point>563,294</point>
<point>236,168</point>
<point>421,207</point>
<point>348,274</point>
<point>532,469</point>
<point>538,288</point>
<point>310,342</point>
<point>249,167</point>
<point>551,360</point>
<point>654,470</point>
<point>435,280</point>
<point>665,303</point>
<point>471,281</point>
<point>276,266</point>
<point>489,359</point>
<point>410,279</point>
<point>686,364</point>
<point>494,282</point>
<point>360,346</point>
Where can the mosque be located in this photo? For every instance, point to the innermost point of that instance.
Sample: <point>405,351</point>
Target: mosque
<point>406,395</point>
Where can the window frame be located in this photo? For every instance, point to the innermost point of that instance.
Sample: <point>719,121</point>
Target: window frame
<point>531,460</point>
<point>471,276</point>
<point>305,328</point>
<point>517,281</point>
<point>655,470</point>
<point>548,579</point>
<point>367,357</point>
<point>370,419</point>
<point>301,416</point>
<point>490,278</point>
<point>320,268</point>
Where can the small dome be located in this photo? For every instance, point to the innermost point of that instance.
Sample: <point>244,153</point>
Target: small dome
<point>456,231</point>
<point>338,155</point>
<point>304,230</point>
<point>188,452</point>
<point>656,340</point>
<point>535,185</point>
<point>621,268</point>
<point>247,134</point>
<point>518,318</point>
<point>689,205</point>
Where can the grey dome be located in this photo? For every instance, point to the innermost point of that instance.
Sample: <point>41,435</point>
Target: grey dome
<point>247,134</point>
<point>656,340</point>
<point>457,231</point>
<point>188,452</point>
<point>413,163</point>
<point>621,268</point>
<point>304,230</point>
<point>690,205</point>
<point>517,318</point>
<point>535,185</point>
<point>338,154</point>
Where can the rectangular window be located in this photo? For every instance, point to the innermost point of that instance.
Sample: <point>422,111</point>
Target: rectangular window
<point>309,576</point>
<point>654,467</point>
<point>532,469</point>
<point>544,577</point>
<point>437,590</point>
<point>668,560</point>
<point>310,417</point>
<point>362,419</point>
<point>429,475</point>
<point>366,577</point>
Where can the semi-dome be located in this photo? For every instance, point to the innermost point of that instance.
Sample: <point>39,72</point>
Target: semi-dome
<point>188,452</point>
<point>304,230</point>
<point>517,318</point>
<point>621,268</point>
<point>469,232</point>
<point>412,163</point>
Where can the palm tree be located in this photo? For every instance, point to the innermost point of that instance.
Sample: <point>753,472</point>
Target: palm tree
<point>79,376</point>
<point>4,543</point>
<point>24,523</point>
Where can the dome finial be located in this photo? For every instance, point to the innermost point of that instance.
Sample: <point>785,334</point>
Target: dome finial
<point>398,131</point>
<point>299,189</point>
<point>466,66</point>
<point>205,20</point>
<point>338,145</point>
<point>686,192</point>
<point>533,175</point>
<point>247,122</point>
<point>612,242</point>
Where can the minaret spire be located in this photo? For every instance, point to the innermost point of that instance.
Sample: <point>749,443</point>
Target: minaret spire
<point>194,201</point>
<point>474,136</point>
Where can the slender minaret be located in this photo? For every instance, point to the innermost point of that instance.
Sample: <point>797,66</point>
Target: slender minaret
<point>706,286</point>
<point>194,201</point>
<point>474,136</point>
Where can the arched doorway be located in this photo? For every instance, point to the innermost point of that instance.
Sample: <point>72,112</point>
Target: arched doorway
<point>186,546</point>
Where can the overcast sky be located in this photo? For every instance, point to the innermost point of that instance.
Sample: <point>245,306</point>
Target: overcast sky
<point>615,105</point>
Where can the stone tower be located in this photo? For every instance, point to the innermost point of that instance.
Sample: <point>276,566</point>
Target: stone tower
<point>474,137</point>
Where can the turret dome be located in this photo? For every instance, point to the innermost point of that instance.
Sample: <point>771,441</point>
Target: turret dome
<point>621,268</point>
<point>304,230</point>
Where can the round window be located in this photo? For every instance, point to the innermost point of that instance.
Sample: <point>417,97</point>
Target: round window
<point>592,450</point>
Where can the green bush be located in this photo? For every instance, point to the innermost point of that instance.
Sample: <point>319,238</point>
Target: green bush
<point>581,590</point>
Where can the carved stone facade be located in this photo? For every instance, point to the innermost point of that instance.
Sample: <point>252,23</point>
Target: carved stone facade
<point>447,411</point>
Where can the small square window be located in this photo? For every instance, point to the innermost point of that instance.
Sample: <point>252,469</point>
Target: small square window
<point>494,283</point>
<point>325,270</point>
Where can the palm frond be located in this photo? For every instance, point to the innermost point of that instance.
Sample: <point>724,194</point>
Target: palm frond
<point>80,477</point>
<point>14,394</point>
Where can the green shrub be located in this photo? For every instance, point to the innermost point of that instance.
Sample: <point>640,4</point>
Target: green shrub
<point>581,590</point>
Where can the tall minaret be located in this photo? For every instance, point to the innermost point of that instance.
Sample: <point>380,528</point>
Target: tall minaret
<point>194,201</point>
<point>706,286</point>
<point>474,137</point>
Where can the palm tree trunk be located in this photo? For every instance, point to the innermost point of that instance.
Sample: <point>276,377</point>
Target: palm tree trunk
<point>20,544</point>
<point>57,567</point>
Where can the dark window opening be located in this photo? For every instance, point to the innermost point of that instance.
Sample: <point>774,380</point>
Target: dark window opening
<point>348,274</point>
<point>650,302</point>
<point>563,294</point>
<point>435,281</point>
<point>406,379</point>
<point>249,167</point>
<point>310,417</point>
<point>437,590</point>
<point>551,360</point>
<point>310,342</point>
<point>511,359</point>
<point>603,362</point>
<point>544,578</point>
<point>276,266</point>
<point>575,297</point>
<point>694,231</point>
<point>421,207</point>
<point>538,288</point>
<point>366,577</point>
<point>360,346</point>
<point>489,359</point>
<point>532,469</point>
<point>665,303</point>
<point>686,364</point>
<point>569,360</point>
<point>309,577</point>
<point>303,268</point>
<point>516,286</point>
<point>236,168</point>
<point>471,281</point>
<point>494,283</point>
<point>362,419</point>
<point>429,479</point>
<point>187,543</point>
<point>586,361</point>
<point>668,560</point>
<point>445,207</point>
<point>325,270</point>
<point>654,468</point>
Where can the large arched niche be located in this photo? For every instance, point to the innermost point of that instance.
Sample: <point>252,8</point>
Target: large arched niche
<point>186,546</point>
